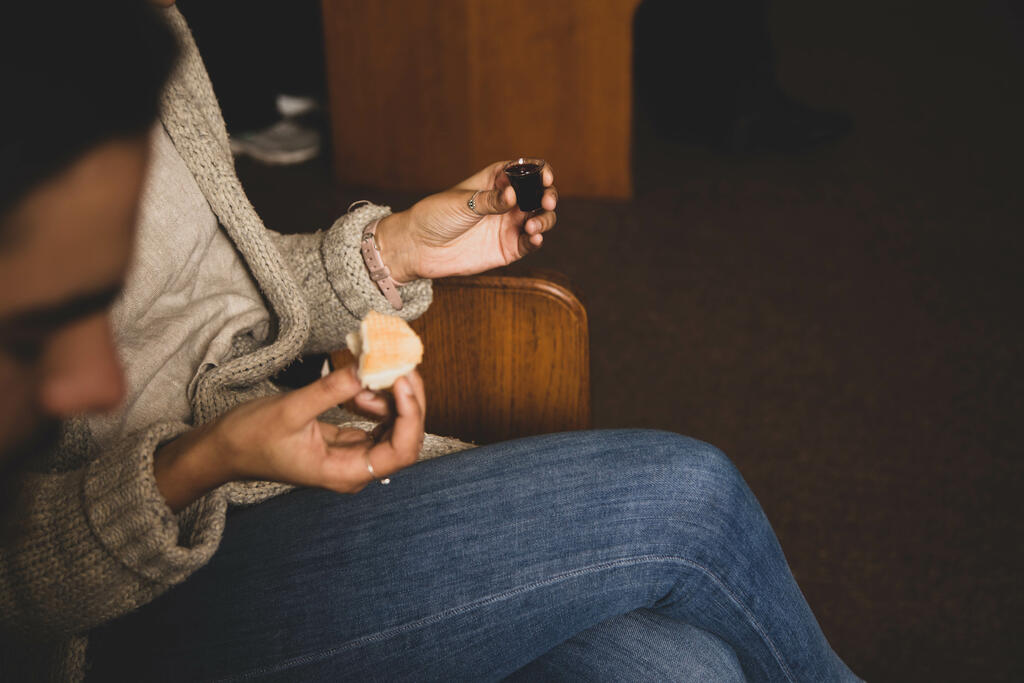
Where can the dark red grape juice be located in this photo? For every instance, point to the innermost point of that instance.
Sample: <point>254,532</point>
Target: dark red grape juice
<point>527,182</point>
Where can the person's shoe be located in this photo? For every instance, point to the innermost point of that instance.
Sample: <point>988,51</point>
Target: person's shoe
<point>294,106</point>
<point>776,122</point>
<point>285,142</point>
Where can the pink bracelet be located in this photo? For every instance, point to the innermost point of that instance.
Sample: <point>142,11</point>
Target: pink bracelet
<point>379,273</point>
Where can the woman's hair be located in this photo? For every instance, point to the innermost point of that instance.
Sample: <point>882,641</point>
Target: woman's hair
<point>75,74</point>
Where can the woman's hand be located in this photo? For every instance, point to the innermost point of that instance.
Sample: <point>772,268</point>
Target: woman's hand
<point>280,439</point>
<point>441,236</point>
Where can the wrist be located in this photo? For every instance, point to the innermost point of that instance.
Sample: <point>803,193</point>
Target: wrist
<point>396,249</point>
<point>190,467</point>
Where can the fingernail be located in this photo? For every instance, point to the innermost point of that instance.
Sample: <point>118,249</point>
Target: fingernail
<point>407,387</point>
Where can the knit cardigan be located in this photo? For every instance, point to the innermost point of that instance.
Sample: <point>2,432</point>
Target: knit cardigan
<point>96,539</point>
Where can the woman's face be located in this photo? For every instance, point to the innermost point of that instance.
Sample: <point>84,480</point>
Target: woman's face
<point>63,259</point>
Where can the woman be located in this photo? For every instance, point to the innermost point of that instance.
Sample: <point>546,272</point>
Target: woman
<point>184,553</point>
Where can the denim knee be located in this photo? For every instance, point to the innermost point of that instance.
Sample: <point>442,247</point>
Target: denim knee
<point>692,460</point>
<point>695,477</point>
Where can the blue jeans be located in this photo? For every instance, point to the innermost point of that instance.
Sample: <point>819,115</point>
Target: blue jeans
<point>541,556</point>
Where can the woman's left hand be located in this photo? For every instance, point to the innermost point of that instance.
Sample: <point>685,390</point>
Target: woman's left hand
<point>441,236</point>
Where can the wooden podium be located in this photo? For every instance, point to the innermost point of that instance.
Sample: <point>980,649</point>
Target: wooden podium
<point>423,93</point>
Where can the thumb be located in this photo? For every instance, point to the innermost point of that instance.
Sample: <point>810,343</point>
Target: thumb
<point>490,202</point>
<point>303,405</point>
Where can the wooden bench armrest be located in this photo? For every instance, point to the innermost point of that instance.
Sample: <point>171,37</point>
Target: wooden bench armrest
<point>505,357</point>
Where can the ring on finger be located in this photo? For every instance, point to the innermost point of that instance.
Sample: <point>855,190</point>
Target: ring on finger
<point>472,203</point>
<point>369,467</point>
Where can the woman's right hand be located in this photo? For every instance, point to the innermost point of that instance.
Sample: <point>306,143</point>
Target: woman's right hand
<point>280,439</point>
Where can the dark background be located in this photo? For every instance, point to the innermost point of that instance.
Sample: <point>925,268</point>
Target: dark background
<point>845,323</point>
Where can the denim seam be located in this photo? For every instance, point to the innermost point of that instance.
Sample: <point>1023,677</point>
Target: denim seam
<point>499,597</point>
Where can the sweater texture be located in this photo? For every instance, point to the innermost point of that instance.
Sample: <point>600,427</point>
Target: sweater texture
<point>94,539</point>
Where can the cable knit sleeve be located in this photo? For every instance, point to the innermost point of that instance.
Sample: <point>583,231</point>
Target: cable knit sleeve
<point>95,542</point>
<point>330,272</point>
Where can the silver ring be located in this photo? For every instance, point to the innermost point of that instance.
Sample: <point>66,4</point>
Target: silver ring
<point>472,203</point>
<point>369,467</point>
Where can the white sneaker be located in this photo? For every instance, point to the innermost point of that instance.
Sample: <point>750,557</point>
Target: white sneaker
<point>293,106</point>
<point>285,142</point>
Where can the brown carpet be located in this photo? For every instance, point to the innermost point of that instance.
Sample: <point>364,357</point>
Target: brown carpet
<point>845,324</point>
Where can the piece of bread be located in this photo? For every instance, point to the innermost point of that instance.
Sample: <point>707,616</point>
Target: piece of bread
<point>386,347</point>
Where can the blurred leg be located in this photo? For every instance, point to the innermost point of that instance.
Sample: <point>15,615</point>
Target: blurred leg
<point>256,51</point>
<point>241,65</point>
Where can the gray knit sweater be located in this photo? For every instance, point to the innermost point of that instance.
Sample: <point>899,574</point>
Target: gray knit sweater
<point>98,539</point>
